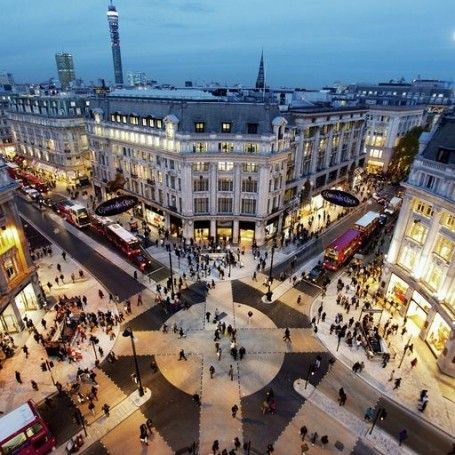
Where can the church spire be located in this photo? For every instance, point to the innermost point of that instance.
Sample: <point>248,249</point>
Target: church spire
<point>260,81</point>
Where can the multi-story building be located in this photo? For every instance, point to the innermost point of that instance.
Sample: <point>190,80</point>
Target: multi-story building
<point>420,264</point>
<point>112,19</point>
<point>6,135</point>
<point>49,132</point>
<point>65,68</point>
<point>137,79</point>
<point>206,167</point>
<point>386,125</point>
<point>19,284</point>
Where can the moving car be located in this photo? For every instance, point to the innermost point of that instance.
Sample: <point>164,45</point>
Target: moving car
<point>317,274</point>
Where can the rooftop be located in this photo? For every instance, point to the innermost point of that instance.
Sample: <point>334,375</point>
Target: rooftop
<point>165,94</point>
<point>441,147</point>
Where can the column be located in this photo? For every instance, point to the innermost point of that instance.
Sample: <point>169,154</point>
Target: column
<point>235,232</point>
<point>213,185</point>
<point>315,153</point>
<point>449,280</point>
<point>400,229</point>
<point>259,233</point>
<point>213,228</point>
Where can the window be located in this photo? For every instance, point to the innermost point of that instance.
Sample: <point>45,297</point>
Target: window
<point>199,147</point>
<point>444,248</point>
<point>201,184</point>
<point>10,269</point>
<point>225,185</point>
<point>249,185</point>
<point>423,208</point>
<point>249,206</point>
<point>225,147</point>
<point>249,167</point>
<point>418,232</point>
<point>200,166</point>
<point>434,276</point>
<point>252,128</point>
<point>226,127</point>
<point>225,205</point>
<point>225,166</point>
<point>134,120</point>
<point>251,148</point>
<point>408,257</point>
<point>448,221</point>
<point>201,205</point>
<point>199,127</point>
<point>431,182</point>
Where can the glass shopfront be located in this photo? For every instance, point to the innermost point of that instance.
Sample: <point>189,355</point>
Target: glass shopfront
<point>224,230</point>
<point>271,228</point>
<point>154,216</point>
<point>397,290</point>
<point>438,335</point>
<point>418,310</point>
<point>201,230</point>
<point>26,304</point>
<point>247,231</point>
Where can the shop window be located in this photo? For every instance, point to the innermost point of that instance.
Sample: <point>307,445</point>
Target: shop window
<point>434,276</point>
<point>10,269</point>
<point>438,334</point>
<point>408,257</point>
<point>418,231</point>
<point>444,248</point>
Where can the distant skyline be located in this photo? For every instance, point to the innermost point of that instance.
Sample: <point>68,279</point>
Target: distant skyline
<point>307,43</point>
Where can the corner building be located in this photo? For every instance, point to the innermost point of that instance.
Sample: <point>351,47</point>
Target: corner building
<point>206,167</point>
<point>19,284</point>
<point>419,269</point>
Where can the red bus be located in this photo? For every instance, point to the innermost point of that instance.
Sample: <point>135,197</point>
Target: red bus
<point>342,249</point>
<point>74,213</point>
<point>24,432</point>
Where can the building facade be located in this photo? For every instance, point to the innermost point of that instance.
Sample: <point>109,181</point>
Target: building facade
<point>386,125</point>
<point>6,135</point>
<point>19,284</point>
<point>49,132</point>
<point>204,167</point>
<point>420,265</point>
<point>112,19</point>
<point>65,69</point>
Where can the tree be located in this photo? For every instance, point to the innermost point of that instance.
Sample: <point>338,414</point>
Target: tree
<point>404,154</point>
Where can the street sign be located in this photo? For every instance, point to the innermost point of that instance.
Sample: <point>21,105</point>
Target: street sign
<point>341,198</point>
<point>116,205</point>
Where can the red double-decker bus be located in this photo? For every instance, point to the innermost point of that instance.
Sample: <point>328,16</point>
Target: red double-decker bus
<point>24,432</point>
<point>342,249</point>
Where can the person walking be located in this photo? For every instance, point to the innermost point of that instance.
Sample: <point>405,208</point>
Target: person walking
<point>397,383</point>
<point>342,397</point>
<point>212,371</point>
<point>143,435</point>
<point>18,377</point>
<point>242,352</point>
<point>287,335</point>
<point>182,355</point>
<point>215,447</point>
<point>91,407</point>
<point>64,255</point>
<point>34,385</point>
<point>413,362</point>
<point>106,408</point>
<point>218,353</point>
<point>234,410</point>
<point>25,350</point>
<point>303,432</point>
<point>231,372</point>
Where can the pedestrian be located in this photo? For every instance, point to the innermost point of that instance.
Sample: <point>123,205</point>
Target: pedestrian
<point>215,447</point>
<point>287,335</point>
<point>91,407</point>
<point>231,372</point>
<point>143,436</point>
<point>59,268</point>
<point>197,399</point>
<point>270,449</point>
<point>397,383</point>
<point>303,432</point>
<point>212,371</point>
<point>100,294</point>
<point>391,376</point>
<point>182,355</point>
<point>25,349</point>
<point>94,392</point>
<point>18,377</point>
<point>62,278</point>
<point>149,425</point>
<point>181,332</point>
<point>64,255</point>
<point>234,410</point>
<point>207,316</point>
<point>250,315</point>
<point>314,438</point>
<point>242,352</point>
<point>218,353</point>
<point>73,278</point>
<point>324,440</point>
<point>414,362</point>
<point>106,408</point>
<point>139,299</point>
<point>342,397</point>
<point>34,385</point>
<point>165,328</point>
<point>299,300</point>
<point>402,436</point>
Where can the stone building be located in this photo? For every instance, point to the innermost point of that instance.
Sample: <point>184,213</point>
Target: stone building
<point>420,264</point>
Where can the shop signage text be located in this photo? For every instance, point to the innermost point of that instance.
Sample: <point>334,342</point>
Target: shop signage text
<point>116,205</point>
<point>341,198</point>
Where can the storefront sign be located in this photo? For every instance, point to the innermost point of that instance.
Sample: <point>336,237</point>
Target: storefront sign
<point>341,198</point>
<point>116,205</point>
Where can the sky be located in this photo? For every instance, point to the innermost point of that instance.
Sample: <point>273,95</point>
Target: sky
<point>307,43</point>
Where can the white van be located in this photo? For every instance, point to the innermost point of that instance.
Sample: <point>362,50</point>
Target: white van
<point>393,206</point>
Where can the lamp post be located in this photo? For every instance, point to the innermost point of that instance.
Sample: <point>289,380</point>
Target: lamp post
<point>405,350</point>
<point>311,371</point>
<point>129,333</point>
<point>93,342</point>
<point>381,413</point>
<point>81,420</point>
<point>172,273</point>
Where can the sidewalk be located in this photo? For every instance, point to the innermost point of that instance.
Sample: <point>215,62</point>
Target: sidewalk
<point>441,408</point>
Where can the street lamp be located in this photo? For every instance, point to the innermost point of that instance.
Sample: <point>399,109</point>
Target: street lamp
<point>93,341</point>
<point>381,413</point>
<point>408,344</point>
<point>46,365</point>
<point>172,273</point>
<point>129,333</point>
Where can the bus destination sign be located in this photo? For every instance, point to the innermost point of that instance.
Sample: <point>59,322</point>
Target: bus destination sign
<point>341,198</point>
<point>116,205</point>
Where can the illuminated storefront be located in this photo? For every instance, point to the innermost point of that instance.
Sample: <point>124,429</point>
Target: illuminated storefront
<point>397,290</point>
<point>418,310</point>
<point>438,335</point>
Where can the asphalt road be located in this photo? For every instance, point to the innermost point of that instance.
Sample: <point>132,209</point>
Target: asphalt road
<point>112,277</point>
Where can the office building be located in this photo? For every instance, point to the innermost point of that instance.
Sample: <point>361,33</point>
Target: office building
<point>65,68</point>
<point>137,79</point>
<point>19,285</point>
<point>419,271</point>
<point>112,18</point>
<point>205,167</point>
<point>386,125</point>
<point>49,132</point>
